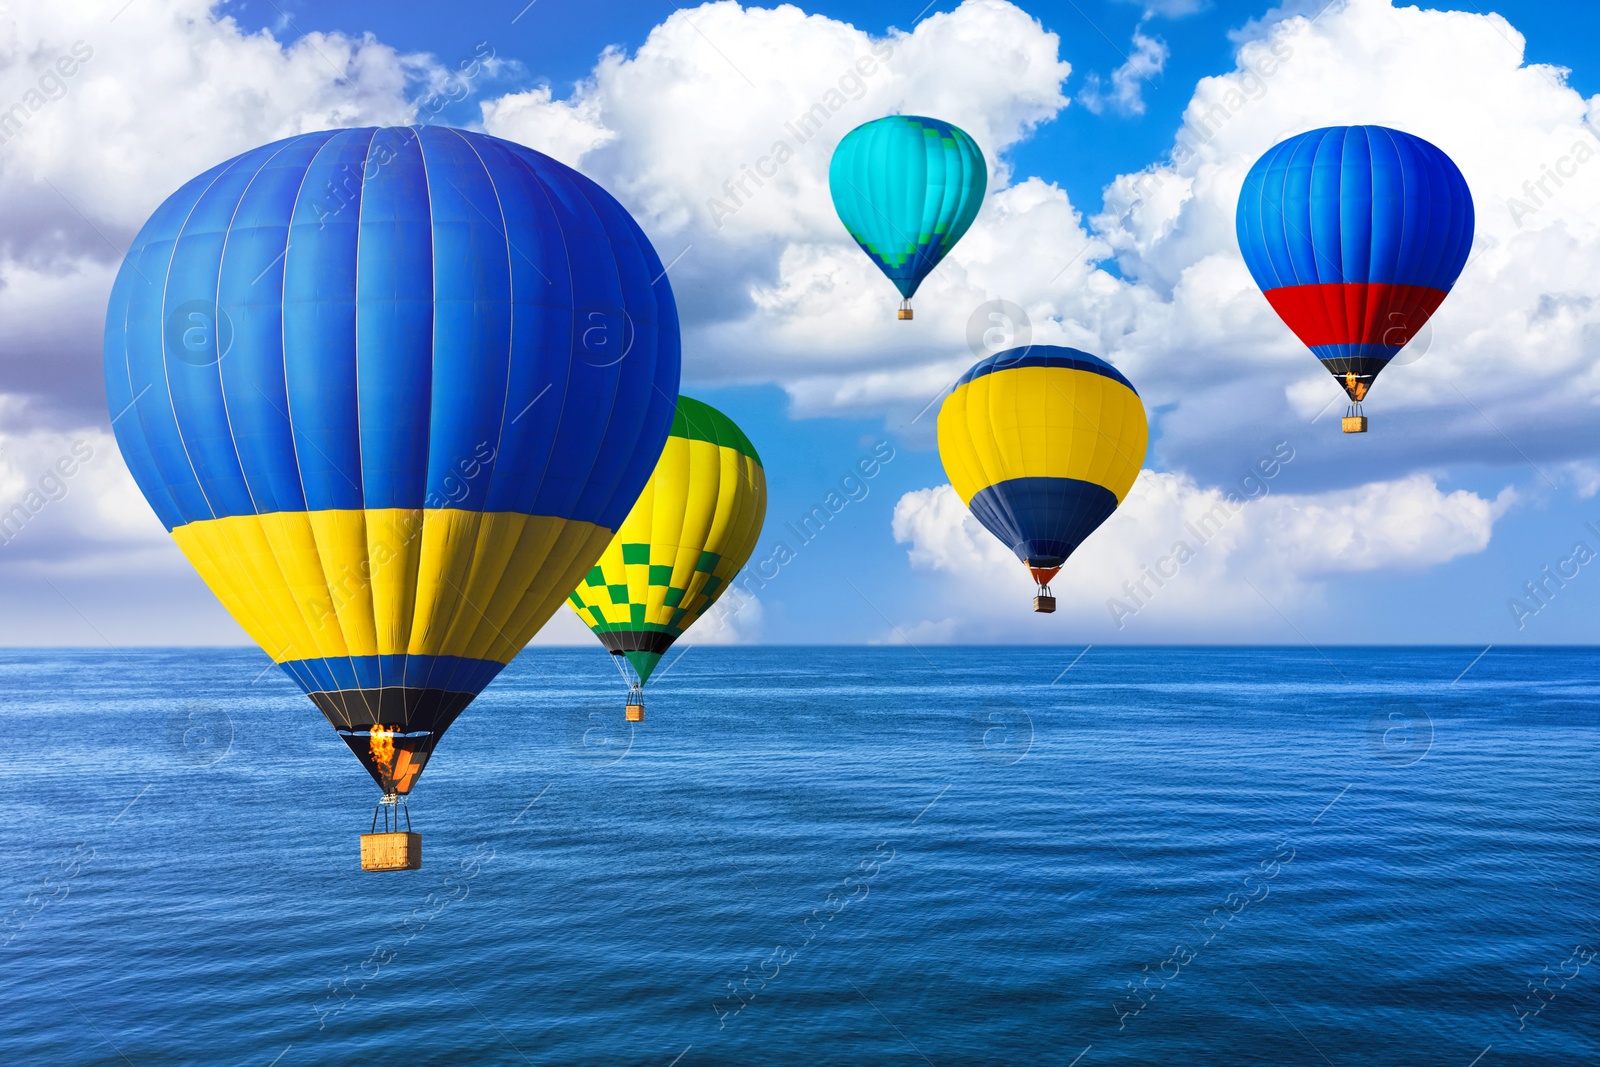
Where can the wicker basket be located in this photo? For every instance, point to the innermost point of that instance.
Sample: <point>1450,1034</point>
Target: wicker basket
<point>1044,605</point>
<point>1355,424</point>
<point>633,712</point>
<point>391,852</point>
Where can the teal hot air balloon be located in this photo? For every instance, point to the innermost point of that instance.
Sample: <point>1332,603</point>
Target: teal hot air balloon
<point>907,188</point>
<point>392,391</point>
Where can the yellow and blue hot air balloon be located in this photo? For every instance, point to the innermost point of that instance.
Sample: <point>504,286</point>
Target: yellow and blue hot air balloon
<point>690,532</point>
<point>392,391</point>
<point>1042,444</point>
<point>1355,235</point>
<point>907,188</point>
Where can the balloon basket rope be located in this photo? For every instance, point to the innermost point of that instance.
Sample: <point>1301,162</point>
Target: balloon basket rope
<point>391,849</point>
<point>633,710</point>
<point>905,311</point>
<point>391,809</point>
<point>1044,601</point>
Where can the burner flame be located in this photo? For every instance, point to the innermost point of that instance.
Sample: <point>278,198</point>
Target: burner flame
<point>383,746</point>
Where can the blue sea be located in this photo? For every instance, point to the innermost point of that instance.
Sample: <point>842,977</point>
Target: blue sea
<point>813,856</point>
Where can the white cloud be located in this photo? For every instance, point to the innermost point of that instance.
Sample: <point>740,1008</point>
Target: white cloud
<point>1179,561</point>
<point>735,619</point>
<point>682,125</point>
<point>67,502</point>
<point>1148,59</point>
<point>567,130</point>
<point>1513,350</point>
<point>675,126</point>
<point>1172,9</point>
<point>101,120</point>
<point>717,132</point>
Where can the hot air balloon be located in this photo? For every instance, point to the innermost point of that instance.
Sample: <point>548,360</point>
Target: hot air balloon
<point>392,391</point>
<point>1042,444</point>
<point>907,188</point>
<point>1355,234</point>
<point>688,535</point>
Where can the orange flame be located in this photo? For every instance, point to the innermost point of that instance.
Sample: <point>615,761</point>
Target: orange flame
<point>383,745</point>
<point>1350,382</point>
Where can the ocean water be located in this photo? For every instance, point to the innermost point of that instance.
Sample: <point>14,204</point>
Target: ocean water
<point>818,856</point>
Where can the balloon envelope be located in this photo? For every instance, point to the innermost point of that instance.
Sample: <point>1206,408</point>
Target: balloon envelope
<point>1042,444</point>
<point>907,188</point>
<point>688,535</point>
<point>1355,234</point>
<point>392,391</point>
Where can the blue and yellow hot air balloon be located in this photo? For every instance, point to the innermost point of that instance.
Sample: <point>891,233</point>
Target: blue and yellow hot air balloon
<point>1355,234</point>
<point>392,391</point>
<point>907,188</point>
<point>1042,444</point>
<point>688,535</point>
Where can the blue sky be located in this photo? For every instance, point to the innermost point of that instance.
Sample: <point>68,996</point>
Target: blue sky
<point>557,41</point>
<point>1482,487</point>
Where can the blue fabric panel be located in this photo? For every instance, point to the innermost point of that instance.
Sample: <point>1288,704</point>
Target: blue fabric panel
<point>1356,351</point>
<point>376,672</point>
<point>626,457</point>
<point>394,323</point>
<point>145,357</point>
<point>133,331</point>
<point>1044,356</point>
<point>1355,204</point>
<point>319,323</point>
<point>597,365</point>
<point>471,318</point>
<point>1043,520</point>
<point>411,317</point>
<point>1386,177</point>
<point>250,293</point>
<point>1354,191</point>
<point>198,335</point>
<point>542,330</point>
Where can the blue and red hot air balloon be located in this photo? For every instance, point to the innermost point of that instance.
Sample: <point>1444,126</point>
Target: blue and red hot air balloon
<point>1355,235</point>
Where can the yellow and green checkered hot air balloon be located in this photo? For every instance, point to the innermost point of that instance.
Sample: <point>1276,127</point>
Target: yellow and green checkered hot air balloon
<point>688,535</point>
<point>1042,444</point>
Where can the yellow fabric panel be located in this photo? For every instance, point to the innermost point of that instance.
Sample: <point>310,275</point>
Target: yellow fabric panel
<point>228,565</point>
<point>1042,422</point>
<point>394,552</point>
<point>447,545</point>
<point>299,574</point>
<point>700,498</point>
<point>571,554</point>
<point>355,583</point>
<point>497,539</point>
<point>341,544</point>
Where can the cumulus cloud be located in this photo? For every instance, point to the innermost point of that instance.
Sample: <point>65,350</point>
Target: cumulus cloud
<point>717,132</point>
<point>66,500</point>
<point>1172,9</point>
<point>1512,351</point>
<point>687,131</point>
<point>100,121</point>
<point>678,128</point>
<point>1126,95</point>
<point>1181,561</point>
